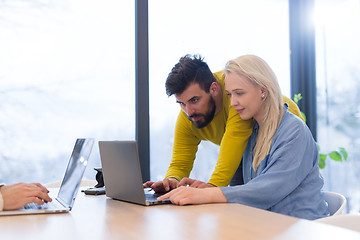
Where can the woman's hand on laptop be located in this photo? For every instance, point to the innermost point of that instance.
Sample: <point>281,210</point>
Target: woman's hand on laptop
<point>18,195</point>
<point>163,186</point>
<point>189,195</point>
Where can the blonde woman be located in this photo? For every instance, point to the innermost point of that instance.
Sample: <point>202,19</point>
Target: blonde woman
<point>280,170</point>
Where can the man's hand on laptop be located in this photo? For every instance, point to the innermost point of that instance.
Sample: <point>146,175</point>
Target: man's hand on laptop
<point>163,186</point>
<point>18,195</point>
<point>194,183</point>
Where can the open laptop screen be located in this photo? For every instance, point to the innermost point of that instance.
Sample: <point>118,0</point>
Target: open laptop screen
<point>75,171</point>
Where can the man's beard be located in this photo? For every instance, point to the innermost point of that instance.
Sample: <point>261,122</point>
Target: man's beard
<point>207,117</point>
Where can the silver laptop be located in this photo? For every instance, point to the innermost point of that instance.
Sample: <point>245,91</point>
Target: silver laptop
<point>122,173</point>
<point>69,186</point>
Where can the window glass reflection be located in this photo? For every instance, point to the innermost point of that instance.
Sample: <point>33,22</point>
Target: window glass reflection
<point>66,71</point>
<point>338,91</point>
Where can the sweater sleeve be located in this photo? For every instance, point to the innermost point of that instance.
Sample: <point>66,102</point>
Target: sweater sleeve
<point>184,149</point>
<point>232,147</point>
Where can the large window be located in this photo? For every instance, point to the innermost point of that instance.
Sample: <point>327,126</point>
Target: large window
<point>338,93</point>
<point>219,31</point>
<point>66,71</point>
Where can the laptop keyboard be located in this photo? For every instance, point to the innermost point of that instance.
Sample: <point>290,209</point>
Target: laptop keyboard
<point>152,197</point>
<point>36,206</point>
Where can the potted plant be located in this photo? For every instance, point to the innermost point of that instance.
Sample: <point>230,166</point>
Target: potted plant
<point>338,155</point>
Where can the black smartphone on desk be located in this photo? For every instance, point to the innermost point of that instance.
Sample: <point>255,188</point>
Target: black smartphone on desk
<point>94,191</point>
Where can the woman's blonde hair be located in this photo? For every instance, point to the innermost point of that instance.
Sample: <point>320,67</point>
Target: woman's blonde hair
<point>260,74</point>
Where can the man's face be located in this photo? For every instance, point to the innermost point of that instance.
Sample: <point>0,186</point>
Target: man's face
<point>198,105</point>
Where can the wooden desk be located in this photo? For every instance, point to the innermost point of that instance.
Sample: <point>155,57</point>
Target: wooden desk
<point>98,217</point>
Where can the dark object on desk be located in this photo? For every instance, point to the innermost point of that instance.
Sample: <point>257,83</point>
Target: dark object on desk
<point>99,178</point>
<point>99,188</point>
<point>95,191</point>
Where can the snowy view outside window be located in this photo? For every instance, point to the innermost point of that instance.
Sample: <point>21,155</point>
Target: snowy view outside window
<point>338,93</point>
<point>66,71</point>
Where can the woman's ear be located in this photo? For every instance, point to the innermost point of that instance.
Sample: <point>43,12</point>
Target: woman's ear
<point>263,93</point>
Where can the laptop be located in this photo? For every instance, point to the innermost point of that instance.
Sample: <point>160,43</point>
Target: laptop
<point>122,173</point>
<point>69,186</point>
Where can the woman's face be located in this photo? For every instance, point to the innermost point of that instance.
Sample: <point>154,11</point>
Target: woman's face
<point>245,97</point>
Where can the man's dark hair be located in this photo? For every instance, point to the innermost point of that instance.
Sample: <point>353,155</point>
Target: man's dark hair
<point>189,69</point>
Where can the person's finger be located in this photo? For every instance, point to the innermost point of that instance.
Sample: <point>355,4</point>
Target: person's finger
<point>166,184</point>
<point>174,184</point>
<point>179,196</point>
<point>186,181</point>
<point>168,194</point>
<point>44,189</point>
<point>44,197</point>
<point>183,182</point>
<point>174,195</point>
<point>165,196</point>
<point>36,200</point>
<point>158,189</point>
<point>157,186</point>
<point>148,184</point>
<point>198,184</point>
<point>37,192</point>
<point>194,184</point>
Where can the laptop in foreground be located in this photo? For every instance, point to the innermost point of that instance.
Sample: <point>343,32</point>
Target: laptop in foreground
<point>69,186</point>
<point>122,173</point>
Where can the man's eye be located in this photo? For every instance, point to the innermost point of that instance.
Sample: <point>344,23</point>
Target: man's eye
<point>194,100</point>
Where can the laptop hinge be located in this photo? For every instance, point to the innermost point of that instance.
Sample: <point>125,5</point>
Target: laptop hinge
<point>63,203</point>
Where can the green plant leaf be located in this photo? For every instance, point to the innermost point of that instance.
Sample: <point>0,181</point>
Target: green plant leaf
<point>303,115</point>
<point>335,155</point>
<point>322,157</point>
<point>338,156</point>
<point>297,98</point>
<point>322,163</point>
<point>343,153</point>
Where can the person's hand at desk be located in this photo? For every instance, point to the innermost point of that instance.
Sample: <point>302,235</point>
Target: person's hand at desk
<point>18,195</point>
<point>194,183</point>
<point>162,186</point>
<point>192,195</point>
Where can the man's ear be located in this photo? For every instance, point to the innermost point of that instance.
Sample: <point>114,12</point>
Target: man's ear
<point>214,88</point>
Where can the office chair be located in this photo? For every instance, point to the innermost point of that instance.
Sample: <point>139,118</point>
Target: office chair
<point>336,202</point>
